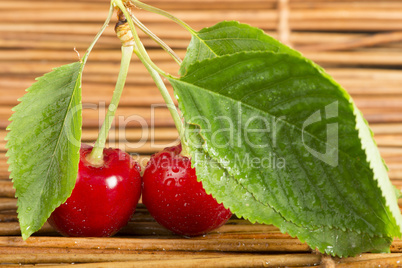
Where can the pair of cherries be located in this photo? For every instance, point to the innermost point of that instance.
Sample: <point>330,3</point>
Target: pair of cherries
<point>105,197</point>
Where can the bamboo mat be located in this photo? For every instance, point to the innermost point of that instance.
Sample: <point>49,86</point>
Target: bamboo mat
<point>358,42</point>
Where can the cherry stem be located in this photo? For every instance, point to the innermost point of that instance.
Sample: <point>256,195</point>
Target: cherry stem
<point>163,13</point>
<point>154,37</point>
<point>169,103</point>
<point>136,38</point>
<point>154,72</point>
<point>98,35</point>
<point>96,156</point>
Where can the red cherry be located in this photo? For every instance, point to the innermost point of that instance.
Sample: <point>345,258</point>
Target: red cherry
<point>103,199</point>
<point>175,198</point>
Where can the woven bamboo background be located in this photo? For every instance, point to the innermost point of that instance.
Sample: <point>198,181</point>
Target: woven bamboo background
<point>358,42</point>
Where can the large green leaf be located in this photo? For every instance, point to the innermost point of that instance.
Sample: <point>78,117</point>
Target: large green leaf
<point>43,145</point>
<point>262,106</point>
<point>216,180</point>
<point>229,37</point>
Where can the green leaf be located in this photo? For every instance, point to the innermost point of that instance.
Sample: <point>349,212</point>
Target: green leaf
<point>294,140</point>
<point>43,145</point>
<point>225,189</point>
<point>229,37</point>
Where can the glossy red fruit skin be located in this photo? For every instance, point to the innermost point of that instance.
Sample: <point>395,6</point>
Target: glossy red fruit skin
<point>103,199</point>
<point>175,198</point>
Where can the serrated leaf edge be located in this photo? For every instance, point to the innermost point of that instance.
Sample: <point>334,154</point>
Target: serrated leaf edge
<point>346,96</point>
<point>227,23</point>
<point>282,226</point>
<point>25,235</point>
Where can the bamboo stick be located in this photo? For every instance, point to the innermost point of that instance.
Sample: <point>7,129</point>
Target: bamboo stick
<point>304,38</point>
<point>356,58</point>
<point>83,32</point>
<point>8,204</point>
<point>232,245</point>
<point>89,15</point>
<point>310,25</point>
<point>383,262</point>
<point>140,228</point>
<point>373,40</point>
<point>6,188</point>
<point>207,1</point>
<point>40,258</point>
<point>10,228</point>
<point>57,28</point>
<point>216,5</point>
<point>367,257</point>
<point>395,175</point>
<point>340,1</point>
<point>296,15</point>
<point>232,261</point>
<point>386,128</point>
<point>347,5</point>
<point>367,73</point>
<point>74,43</point>
<point>96,55</point>
<point>381,58</point>
<point>389,140</point>
<point>391,102</point>
<point>346,25</point>
<point>383,118</point>
<point>52,250</point>
<point>390,152</point>
<point>4,174</point>
<point>13,228</point>
<point>100,3</point>
<point>173,5</point>
<point>10,217</point>
<point>328,14</point>
<point>283,22</point>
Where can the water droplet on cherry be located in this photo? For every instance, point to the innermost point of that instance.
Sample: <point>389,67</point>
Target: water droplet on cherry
<point>175,169</point>
<point>170,182</point>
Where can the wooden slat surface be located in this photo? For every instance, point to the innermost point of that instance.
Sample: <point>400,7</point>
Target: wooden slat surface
<point>358,42</point>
